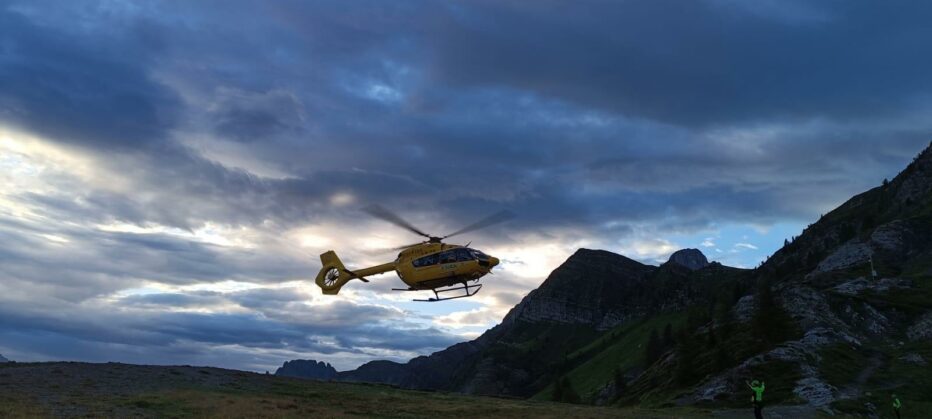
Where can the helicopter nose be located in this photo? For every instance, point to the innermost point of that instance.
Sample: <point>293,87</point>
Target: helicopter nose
<point>493,261</point>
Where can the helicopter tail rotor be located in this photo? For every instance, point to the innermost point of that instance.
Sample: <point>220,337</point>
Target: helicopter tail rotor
<point>333,275</point>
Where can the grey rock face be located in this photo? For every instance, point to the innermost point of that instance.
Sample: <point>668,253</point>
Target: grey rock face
<point>891,236</point>
<point>919,183</point>
<point>592,287</point>
<point>861,284</point>
<point>922,329</point>
<point>847,255</point>
<point>307,368</point>
<point>815,391</point>
<point>690,258</point>
<point>744,309</point>
<point>811,310</point>
<point>914,359</point>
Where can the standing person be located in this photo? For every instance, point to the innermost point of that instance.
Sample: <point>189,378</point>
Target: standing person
<point>896,405</point>
<point>757,399</point>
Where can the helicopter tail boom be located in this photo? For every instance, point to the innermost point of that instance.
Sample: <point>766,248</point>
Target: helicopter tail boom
<point>333,274</point>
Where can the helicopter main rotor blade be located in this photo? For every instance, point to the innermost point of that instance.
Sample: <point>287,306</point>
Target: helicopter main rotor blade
<point>381,213</point>
<point>384,250</point>
<point>493,219</point>
<point>405,246</point>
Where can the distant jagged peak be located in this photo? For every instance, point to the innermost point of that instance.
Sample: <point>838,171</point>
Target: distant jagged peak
<point>307,368</point>
<point>689,258</point>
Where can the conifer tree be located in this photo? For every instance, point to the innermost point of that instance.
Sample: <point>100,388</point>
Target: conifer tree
<point>668,336</point>
<point>569,394</point>
<point>770,324</point>
<point>620,383</point>
<point>685,358</point>
<point>653,349</point>
<point>557,395</point>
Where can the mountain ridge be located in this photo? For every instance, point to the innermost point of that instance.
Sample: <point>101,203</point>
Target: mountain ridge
<point>834,318</point>
<point>592,292</point>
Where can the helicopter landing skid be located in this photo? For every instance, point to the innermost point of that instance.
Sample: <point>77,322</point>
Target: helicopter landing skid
<point>468,291</point>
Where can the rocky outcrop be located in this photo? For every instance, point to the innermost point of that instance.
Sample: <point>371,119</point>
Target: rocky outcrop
<point>914,358</point>
<point>861,285</point>
<point>917,184</point>
<point>921,329</point>
<point>689,258</point>
<point>846,256</point>
<point>743,310</point>
<point>307,368</point>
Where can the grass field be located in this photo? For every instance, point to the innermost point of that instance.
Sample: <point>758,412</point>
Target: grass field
<point>30,390</point>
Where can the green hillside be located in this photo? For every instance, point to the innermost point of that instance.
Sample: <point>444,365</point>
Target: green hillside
<point>620,349</point>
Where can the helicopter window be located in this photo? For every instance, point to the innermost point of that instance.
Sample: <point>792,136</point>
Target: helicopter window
<point>426,260</point>
<point>479,255</point>
<point>448,257</point>
<point>463,255</point>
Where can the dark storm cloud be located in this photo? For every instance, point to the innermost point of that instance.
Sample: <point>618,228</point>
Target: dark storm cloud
<point>698,62</point>
<point>259,117</point>
<point>522,98</point>
<point>86,89</point>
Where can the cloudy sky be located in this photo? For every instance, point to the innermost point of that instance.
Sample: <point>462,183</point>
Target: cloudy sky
<point>170,171</point>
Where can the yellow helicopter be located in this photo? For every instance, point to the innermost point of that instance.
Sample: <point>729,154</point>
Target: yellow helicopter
<point>428,265</point>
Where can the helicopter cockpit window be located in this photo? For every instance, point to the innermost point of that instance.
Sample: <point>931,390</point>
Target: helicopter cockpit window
<point>426,261</point>
<point>463,255</point>
<point>479,255</point>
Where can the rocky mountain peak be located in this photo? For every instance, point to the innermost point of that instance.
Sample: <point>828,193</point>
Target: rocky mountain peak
<point>307,368</point>
<point>588,288</point>
<point>690,258</point>
<point>2,359</point>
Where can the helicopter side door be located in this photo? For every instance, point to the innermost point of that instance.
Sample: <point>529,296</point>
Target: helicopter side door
<point>425,268</point>
<point>457,261</point>
<point>452,262</point>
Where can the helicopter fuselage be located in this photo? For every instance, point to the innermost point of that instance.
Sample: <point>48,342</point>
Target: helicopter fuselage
<point>436,265</point>
<point>426,266</point>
